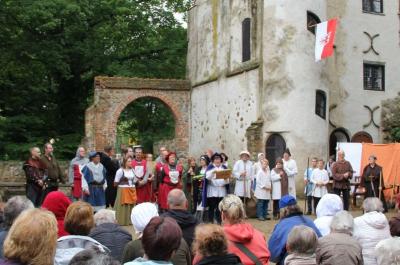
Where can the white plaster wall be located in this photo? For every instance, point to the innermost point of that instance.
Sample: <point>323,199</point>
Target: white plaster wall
<point>352,24</point>
<point>291,78</point>
<point>221,113</point>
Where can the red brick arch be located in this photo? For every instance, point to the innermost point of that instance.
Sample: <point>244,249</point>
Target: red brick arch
<point>113,94</point>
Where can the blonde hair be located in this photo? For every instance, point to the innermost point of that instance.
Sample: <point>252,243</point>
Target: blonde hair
<point>210,240</point>
<point>32,238</point>
<point>233,209</point>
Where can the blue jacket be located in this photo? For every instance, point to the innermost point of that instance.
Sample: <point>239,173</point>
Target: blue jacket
<point>277,241</point>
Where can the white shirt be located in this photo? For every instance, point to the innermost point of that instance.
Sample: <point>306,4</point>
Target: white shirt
<point>319,176</point>
<point>263,182</point>
<point>290,168</point>
<point>276,185</point>
<point>243,184</point>
<point>215,187</point>
<point>129,174</point>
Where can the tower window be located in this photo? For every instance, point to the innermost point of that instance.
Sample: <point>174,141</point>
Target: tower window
<point>374,77</point>
<point>312,21</point>
<point>320,104</point>
<point>246,39</point>
<point>372,6</point>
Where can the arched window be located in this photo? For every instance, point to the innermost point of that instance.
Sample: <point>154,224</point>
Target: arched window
<point>339,135</point>
<point>320,104</point>
<point>312,21</point>
<point>362,137</point>
<point>274,148</point>
<point>246,39</point>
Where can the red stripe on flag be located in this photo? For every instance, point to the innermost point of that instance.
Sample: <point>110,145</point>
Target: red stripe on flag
<point>331,30</point>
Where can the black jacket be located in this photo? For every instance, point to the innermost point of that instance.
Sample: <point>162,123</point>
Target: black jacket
<point>227,259</point>
<point>186,221</point>
<point>112,236</point>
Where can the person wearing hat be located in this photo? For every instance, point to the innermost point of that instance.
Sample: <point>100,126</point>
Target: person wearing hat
<point>372,180</point>
<point>243,172</point>
<point>290,166</point>
<point>200,172</point>
<point>214,190</point>
<point>94,182</point>
<point>292,216</point>
<point>171,178</point>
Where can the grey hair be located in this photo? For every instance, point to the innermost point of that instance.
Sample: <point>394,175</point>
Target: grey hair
<point>342,222</point>
<point>176,197</point>
<point>302,240</point>
<point>341,152</point>
<point>388,251</point>
<point>232,207</point>
<point>91,257</point>
<point>372,205</point>
<point>14,207</point>
<point>104,216</point>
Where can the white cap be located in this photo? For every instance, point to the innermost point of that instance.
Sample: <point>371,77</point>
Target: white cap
<point>141,215</point>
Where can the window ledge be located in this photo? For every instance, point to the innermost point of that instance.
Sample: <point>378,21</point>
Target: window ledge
<point>375,90</point>
<point>374,13</point>
<point>244,67</point>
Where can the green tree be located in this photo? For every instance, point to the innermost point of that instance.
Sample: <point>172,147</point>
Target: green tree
<point>50,51</point>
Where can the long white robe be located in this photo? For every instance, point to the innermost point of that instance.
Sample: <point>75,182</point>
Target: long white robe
<point>243,184</point>
<point>263,182</point>
<point>216,187</point>
<point>290,168</point>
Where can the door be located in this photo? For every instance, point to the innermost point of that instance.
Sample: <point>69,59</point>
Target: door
<point>274,148</point>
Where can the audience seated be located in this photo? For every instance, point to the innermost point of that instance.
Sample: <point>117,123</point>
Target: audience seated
<point>301,245</point>
<point>211,244</point>
<point>13,208</point>
<point>178,210</point>
<point>339,247</point>
<point>243,238</point>
<point>370,228</point>
<point>394,225</point>
<point>93,257</point>
<point>108,233</point>
<point>140,217</point>
<point>328,206</point>
<point>291,215</point>
<point>31,239</point>
<point>57,202</point>
<point>78,222</point>
<point>388,251</point>
<point>161,238</point>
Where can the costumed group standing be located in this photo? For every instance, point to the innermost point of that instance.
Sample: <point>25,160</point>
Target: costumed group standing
<point>209,192</point>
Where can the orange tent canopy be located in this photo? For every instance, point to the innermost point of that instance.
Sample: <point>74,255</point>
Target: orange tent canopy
<point>388,157</point>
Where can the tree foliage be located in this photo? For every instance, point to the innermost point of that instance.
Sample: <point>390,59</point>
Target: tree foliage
<point>146,121</point>
<point>391,119</point>
<point>50,51</point>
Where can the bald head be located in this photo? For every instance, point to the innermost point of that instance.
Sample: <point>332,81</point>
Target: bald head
<point>177,200</point>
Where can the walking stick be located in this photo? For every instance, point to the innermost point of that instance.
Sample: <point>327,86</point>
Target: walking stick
<point>380,185</point>
<point>306,189</point>
<point>245,189</point>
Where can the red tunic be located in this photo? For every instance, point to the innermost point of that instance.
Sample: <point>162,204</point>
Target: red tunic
<point>167,185</point>
<point>77,189</point>
<point>143,193</point>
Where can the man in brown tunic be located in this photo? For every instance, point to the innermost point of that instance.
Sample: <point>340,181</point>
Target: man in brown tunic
<point>342,172</point>
<point>54,173</point>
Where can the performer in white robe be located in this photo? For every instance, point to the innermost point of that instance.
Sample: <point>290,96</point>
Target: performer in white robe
<point>290,167</point>
<point>243,172</point>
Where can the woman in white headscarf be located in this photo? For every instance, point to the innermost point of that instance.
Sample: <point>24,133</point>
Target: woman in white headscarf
<point>328,206</point>
<point>75,172</point>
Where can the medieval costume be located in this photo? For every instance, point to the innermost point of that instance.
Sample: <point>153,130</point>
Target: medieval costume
<point>290,167</point>
<point>54,174</point>
<point>111,165</point>
<point>263,192</point>
<point>126,194</point>
<point>94,182</point>
<point>341,184</point>
<point>75,174</point>
<point>243,183</point>
<point>171,176</point>
<point>372,180</point>
<point>320,179</point>
<point>35,172</point>
<point>256,168</point>
<point>142,171</point>
<point>280,187</point>
<point>214,189</point>
<point>197,182</point>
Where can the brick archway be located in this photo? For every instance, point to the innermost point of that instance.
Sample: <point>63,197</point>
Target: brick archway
<point>113,94</point>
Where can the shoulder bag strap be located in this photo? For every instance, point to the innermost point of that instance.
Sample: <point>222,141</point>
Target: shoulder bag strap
<point>248,253</point>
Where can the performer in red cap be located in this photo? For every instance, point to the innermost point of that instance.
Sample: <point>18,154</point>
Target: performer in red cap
<point>171,177</point>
